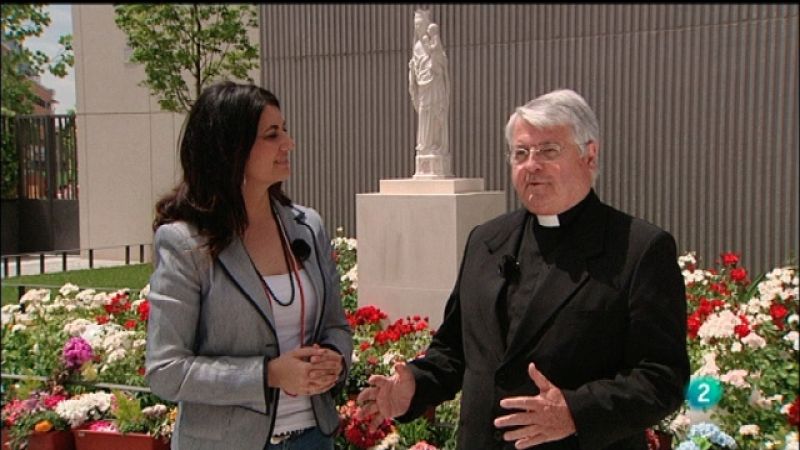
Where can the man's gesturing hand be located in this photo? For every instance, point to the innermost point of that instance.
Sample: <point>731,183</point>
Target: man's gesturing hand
<point>387,397</point>
<point>542,418</point>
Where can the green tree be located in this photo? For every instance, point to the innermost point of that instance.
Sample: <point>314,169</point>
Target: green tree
<point>19,64</point>
<point>176,42</point>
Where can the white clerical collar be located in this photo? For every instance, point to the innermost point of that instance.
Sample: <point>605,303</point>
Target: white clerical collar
<point>548,221</point>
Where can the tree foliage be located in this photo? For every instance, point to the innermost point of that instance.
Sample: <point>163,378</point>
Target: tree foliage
<point>176,42</point>
<point>19,63</point>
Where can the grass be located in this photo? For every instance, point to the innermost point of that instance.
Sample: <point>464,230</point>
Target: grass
<point>134,276</point>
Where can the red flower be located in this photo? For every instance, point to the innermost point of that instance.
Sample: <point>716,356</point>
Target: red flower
<point>101,319</point>
<point>738,274</point>
<point>730,259</point>
<point>743,329</point>
<point>130,324</point>
<point>794,413</point>
<point>693,323</point>
<point>364,346</point>
<point>778,313</point>
<point>720,288</point>
<point>141,371</point>
<point>144,310</point>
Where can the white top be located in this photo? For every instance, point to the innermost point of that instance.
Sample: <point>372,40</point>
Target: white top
<point>548,221</point>
<point>294,413</point>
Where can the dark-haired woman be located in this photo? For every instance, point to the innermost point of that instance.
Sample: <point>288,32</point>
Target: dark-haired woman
<point>246,331</point>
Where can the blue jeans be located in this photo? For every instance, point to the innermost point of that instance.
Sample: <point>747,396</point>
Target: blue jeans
<point>310,439</point>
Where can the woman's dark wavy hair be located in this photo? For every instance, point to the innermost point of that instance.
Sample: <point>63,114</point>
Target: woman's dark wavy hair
<point>218,135</point>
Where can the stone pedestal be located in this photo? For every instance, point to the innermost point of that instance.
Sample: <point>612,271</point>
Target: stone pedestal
<point>411,236</point>
<point>434,167</point>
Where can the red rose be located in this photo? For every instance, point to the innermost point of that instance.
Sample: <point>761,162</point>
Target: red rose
<point>730,259</point>
<point>693,323</point>
<point>738,274</point>
<point>778,313</point>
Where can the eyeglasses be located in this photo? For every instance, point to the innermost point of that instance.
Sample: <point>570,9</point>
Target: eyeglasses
<point>549,151</point>
<point>543,152</point>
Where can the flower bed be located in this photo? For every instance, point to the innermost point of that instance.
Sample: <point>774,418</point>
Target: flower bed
<point>742,335</point>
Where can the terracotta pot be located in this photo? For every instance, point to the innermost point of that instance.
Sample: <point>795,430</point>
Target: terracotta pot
<point>103,440</point>
<point>52,440</point>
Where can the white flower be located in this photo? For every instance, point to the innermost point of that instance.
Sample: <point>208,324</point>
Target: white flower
<point>680,423</point>
<point>8,313</point>
<point>156,410</point>
<point>753,340</point>
<point>718,325</point>
<point>709,365</point>
<point>749,430</point>
<point>35,296</point>
<point>735,378</point>
<point>143,293</point>
<point>792,442</point>
<point>83,408</point>
<point>115,355</point>
<point>794,318</point>
<point>68,289</point>
<point>18,327</point>
<point>793,338</point>
<point>687,259</point>
<point>736,347</point>
<point>388,443</point>
<point>352,276</point>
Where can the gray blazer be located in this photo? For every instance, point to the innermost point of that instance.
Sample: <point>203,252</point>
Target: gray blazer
<point>211,332</point>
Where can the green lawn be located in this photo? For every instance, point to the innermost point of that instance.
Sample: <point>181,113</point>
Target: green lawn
<point>133,276</point>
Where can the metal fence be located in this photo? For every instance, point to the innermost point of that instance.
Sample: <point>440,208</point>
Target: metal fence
<point>46,156</point>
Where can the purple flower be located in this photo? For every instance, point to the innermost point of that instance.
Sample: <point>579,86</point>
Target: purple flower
<point>76,352</point>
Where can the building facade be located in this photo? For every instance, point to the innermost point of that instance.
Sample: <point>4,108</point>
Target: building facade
<point>698,106</point>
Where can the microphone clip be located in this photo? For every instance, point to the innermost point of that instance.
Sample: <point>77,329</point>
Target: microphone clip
<point>301,249</point>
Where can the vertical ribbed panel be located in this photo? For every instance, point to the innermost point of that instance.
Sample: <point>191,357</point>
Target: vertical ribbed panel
<point>698,106</point>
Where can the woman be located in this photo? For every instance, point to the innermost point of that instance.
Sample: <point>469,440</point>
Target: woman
<point>247,331</point>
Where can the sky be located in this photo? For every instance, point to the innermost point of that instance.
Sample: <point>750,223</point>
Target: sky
<point>60,24</point>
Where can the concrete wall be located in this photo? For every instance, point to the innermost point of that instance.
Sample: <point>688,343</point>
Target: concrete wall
<point>698,106</point>
<point>127,147</point>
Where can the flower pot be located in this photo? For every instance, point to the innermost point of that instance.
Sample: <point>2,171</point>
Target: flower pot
<point>52,440</point>
<point>103,440</point>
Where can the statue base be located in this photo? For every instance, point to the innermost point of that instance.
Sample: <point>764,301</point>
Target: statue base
<point>433,167</point>
<point>411,236</point>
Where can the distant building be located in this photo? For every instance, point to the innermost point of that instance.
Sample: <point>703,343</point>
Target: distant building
<point>44,102</point>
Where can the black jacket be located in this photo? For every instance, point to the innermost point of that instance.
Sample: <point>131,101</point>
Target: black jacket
<point>607,325</point>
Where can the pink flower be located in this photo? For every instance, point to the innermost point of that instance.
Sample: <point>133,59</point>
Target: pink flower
<point>422,445</point>
<point>76,352</point>
<point>103,426</point>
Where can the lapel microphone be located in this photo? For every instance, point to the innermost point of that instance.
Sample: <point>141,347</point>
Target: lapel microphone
<point>509,268</point>
<point>300,249</point>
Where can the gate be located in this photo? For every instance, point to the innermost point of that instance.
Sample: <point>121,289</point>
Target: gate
<point>41,214</point>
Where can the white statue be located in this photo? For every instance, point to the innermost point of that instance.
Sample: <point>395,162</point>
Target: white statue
<point>429,86</point>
